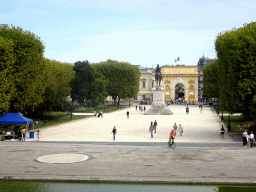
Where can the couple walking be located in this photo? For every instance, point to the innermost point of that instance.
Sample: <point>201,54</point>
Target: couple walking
<point>248,139</point>
<point>175,127</point>
<point>152,128</point>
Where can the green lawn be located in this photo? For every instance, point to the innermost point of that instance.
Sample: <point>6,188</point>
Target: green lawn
<point>60,120</point>
<point>91,110</point>
<point>76,117</point>
<point>234,122</point>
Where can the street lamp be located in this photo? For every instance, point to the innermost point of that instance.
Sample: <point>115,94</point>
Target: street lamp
<point>218,110</point>
<point>229,126</point>
<point>222,112</point>
<point>71,115</point>
<point>104,105</point>
<point>95,104</point>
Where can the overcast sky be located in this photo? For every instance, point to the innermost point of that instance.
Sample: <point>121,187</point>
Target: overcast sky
<point>142,32</point>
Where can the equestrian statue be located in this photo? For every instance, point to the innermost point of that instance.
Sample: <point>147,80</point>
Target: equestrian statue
<point>158,75</point>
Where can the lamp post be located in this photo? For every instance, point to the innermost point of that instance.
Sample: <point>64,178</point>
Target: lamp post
<point>199,95</point>
<point>104,105</point>
<point>71,115</point>
<point>95,104</point>
<point>218,110</point>
<point>229,126</point>
<point>222,112</point>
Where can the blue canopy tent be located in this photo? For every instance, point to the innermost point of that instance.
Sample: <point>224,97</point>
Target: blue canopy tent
<point>15,118</point>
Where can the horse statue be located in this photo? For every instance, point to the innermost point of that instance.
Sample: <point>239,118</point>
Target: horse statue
<point>158,75</point>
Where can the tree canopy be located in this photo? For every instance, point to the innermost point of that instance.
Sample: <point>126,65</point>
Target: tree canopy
<point>87,85</point>
<point>27,67</point>
<point>57,76</point>
<point>122,78</point>
<point>236,51</point>
<point>7,60</point>
<point>211,88</point>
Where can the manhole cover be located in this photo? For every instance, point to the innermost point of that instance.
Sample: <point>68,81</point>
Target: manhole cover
<point>63,158</point>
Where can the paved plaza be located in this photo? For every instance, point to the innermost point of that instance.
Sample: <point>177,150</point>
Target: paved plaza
<point>197,127</point>
<point>83,150</point>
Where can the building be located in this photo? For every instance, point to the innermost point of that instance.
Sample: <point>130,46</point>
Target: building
<point>180,82</point>
<point>147,80</point>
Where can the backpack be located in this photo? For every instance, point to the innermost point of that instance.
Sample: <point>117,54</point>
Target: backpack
<point>222,129</point>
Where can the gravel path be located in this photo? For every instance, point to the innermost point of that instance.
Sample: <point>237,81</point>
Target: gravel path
<point>197,127</point>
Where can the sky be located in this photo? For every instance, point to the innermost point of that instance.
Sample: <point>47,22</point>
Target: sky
<point>141,32</point>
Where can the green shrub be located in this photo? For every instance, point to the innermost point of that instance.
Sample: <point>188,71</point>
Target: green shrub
<point>57,115</point>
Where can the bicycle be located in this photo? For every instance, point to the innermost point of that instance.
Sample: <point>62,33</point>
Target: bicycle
<point>171,144</point>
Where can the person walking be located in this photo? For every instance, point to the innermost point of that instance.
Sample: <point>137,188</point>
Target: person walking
<point>155,124</point>
<point>114,133</point>
<point>180,129</point>
<point>95,113</point>
<point>23,131</point>
<point>187,110</point>
<point>244,134</point>
<point>144,108</point>
<point>252,139</point>
<point>136,107</point>
<point>175,128</point>
<point>248,140</point>
<point>201,110</point>
<point>38,134</point>
<point>151,128</point>
<point>222,131</point>
<point>127,114</point>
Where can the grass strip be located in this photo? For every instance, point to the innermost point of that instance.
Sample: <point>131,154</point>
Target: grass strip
<point>60,120</point>
<point>101,108</point>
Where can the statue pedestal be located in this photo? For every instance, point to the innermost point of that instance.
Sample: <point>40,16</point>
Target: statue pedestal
<point>158,106</point>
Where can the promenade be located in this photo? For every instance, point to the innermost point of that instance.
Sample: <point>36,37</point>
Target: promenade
<point>85,151</point>
<point>197,127</point>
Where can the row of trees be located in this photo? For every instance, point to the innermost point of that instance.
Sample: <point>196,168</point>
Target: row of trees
<point>94,82</point>
<point>30,82</point>
<point>235,71</point>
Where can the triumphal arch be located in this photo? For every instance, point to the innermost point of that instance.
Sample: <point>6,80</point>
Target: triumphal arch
<point>180,82</point>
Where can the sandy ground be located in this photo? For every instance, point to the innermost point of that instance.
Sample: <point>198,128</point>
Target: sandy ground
<point>197,127</point>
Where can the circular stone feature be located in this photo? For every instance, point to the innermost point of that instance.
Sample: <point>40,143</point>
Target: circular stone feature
<point>63,158</point>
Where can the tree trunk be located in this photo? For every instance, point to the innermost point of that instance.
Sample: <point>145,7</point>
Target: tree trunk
<point>118,102</point>
<point>114,97</point>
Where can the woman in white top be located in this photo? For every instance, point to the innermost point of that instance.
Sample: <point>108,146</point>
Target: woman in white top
<point>248,140</point>
<point>244,138</point>
<point>252,139</point>
<point>180,129</point>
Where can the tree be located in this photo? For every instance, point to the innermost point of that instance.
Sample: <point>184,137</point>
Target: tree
<point>58,77</point>
<point>122,78</point>
<point>87,85</point>
<point>6,76</point>
<point>211,86</point>
<point>28,68</point>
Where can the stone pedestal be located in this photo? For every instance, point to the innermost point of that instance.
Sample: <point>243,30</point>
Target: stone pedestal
<point>158,106</point>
